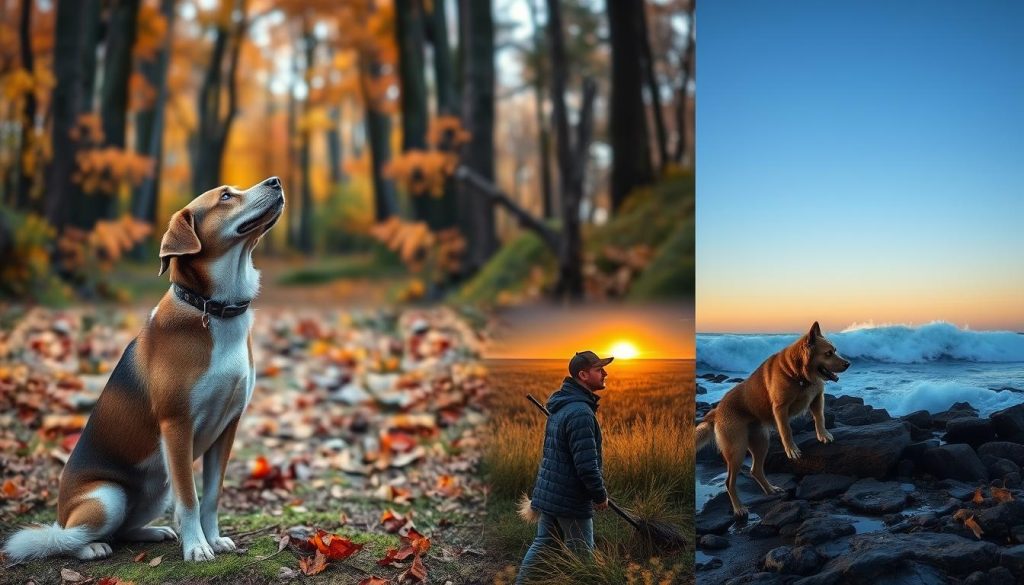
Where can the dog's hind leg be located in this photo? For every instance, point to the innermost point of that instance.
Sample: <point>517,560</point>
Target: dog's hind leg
<point>732,441</point>
<point>99,515</point>
<point>758,453</point>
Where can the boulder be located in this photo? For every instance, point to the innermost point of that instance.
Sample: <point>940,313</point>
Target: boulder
<point>822,530</point>
<point>1004,449</point>
<point>800,560</point>
<point>864,451</point>
<point>784,513</point>
<point>956,461</point>
<point>919,418</point>
<point>914,451</point>
<point>823,485</point>
<point>844,400</point>
<point>713,542</point>
<point>875,497</point>
<point>999,468</point>
<point>971,430</point>
<point>958,410</point>
<point>859,414</point>
<point>1009,423</point>
<point>716,517</point>
<point>1012,559</point>
<point>999,520</point>
<point>756,579</point>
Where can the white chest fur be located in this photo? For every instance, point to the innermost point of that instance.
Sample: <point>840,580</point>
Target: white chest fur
<point>223,391</point>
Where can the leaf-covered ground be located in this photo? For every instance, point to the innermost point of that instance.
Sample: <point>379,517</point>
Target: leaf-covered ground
<point>363,424</point>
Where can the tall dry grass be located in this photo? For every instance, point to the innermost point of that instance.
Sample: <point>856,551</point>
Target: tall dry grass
<point>646,416</point>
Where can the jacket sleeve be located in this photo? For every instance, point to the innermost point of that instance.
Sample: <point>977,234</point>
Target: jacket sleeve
<point>583,445</point>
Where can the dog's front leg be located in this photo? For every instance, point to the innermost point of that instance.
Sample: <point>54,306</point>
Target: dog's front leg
<point>818,414</point>
<point>215,461</point>
<point>781,414</point>
<point>176,435</point>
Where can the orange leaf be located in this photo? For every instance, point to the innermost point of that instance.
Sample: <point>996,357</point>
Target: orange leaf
<point>313,565</point>
<point>138,558</point>
<point>417,541</point>
<point>259,468</point>
<point>374,580</point>
<point>978,496</point>
<point>392,522</point>
<point>334,547</point>
<point>970,523</point>
<point>416,573</point>
<point>108,581</point>
<point>396,555</point>
<point>1002,494</point>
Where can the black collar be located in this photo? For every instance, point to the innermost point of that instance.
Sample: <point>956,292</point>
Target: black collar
<point>210,307</point>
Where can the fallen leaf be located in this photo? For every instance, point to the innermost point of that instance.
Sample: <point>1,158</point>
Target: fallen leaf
<point>286,573</point>
<point>138,558</point>
<point>392,522</point>
<point>112,581</point>
<point>1002,495</point>
<point>334,547</point>
<point>259,468</point>
<point>970,523</point>
<point>417,541</point>
<point>417,572</point>
<point>374,580</point>
<point>156,561</point>
<point>962,514</point>
<point>396,555</point>
<point>283,542</point>
<point>978,497</point>
<point>71,576</point>
<point>313,565</point>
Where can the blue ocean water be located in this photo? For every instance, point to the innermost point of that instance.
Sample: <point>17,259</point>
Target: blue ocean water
<point>899,368</point>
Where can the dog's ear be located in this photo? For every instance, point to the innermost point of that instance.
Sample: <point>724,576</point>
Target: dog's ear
<point>180,238</point>
<point>813,334</point>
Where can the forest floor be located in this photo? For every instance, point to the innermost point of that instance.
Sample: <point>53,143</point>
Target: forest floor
<point>358,427</point>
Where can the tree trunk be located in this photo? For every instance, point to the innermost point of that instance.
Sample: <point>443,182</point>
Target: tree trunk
<point>149,125</point>
<point>334,147</point>
<point>378,133</point>
<point>294,170</point>
<point>409,35</point>
<point>476,213</point>
<point>653,87</point>
<point>306,218</point>
<point>631,148</point>
<point>28,134</point>
<point>74,18</point>
<point>445,210</point>
<point>543,133</point>
<point>117,69</point>
<point>688,65</point>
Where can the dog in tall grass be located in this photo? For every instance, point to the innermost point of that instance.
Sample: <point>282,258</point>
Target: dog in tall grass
<point>176,394</point>
<point>786,385</point>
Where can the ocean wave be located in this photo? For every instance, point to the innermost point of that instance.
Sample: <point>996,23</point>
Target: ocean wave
<point>897,344</point>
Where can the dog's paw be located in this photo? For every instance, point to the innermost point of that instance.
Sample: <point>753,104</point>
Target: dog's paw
<point>222,544</point>
<point>793,452</point>
<point>774,489</point>
<point>740,514</point>
<point>825,437</point>
<point>93,551</point>
<point>198,552</point>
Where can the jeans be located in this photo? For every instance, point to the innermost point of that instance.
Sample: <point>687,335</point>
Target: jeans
<point>576,533</point>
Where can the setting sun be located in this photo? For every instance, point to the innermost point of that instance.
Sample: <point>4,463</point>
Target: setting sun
<point>624,350</point>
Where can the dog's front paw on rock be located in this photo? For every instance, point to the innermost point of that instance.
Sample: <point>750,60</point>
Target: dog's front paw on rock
<point>222,544</point>
<point>793,452</point>
<point>199,552</point>
<point>825,437</point>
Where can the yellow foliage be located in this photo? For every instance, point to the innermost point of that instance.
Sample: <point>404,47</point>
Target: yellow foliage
<point>446,133</point>
<point>105,169</point>
<point>141,94</point>
<point>102,246</point>
<point>421,172</point>
<point>410,240</point>
<point>152,28</point>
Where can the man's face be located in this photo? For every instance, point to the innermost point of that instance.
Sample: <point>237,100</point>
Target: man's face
<point>593,378</point>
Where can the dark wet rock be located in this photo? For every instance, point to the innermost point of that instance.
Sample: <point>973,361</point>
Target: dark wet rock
<point>823,485</point>
<point>1000,519</point>
<point>836,401</point>
<point>1009,423</point>
<point>956,461</point>
<point>995,576</point>
<point>919,418</point>
<point>701,390</point>
<point>875,497</point>
<point>905,468</point>
<point>958,410</point>
<point>713,542</point>
<point>999,468</point>
<point>1005,449</point>
<point>821,530</point>
<point>800,560</point>
<point>879,555</point>
<point>914,451</point>
<point>865,451</point>
<point>859,414</point>
<point>734,380</point>
<point>756,579</point>
<point>715,378</point>
<point>928,520</point>
<point>973,431</point>
<point>1013,480</point>
<point>716,517</point>
<point>913,574</point>
<point>1012,559</point>
<point>782,514</point>
<point>957,489</point>
<point>707,564</point>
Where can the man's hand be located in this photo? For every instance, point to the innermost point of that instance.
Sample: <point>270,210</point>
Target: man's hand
<point>602,506</point>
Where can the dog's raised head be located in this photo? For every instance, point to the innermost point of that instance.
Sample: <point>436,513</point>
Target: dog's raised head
<point>208,244</point>
<point>823,361</point>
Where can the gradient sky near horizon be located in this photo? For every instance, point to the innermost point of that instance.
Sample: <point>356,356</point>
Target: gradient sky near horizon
<point>860,162</point>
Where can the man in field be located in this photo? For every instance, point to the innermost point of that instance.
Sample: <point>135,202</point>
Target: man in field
<point>569,485</point>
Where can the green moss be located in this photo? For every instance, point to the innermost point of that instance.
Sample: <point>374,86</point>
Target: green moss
<point>671,272</point>
<point>509,270</point>
<point>380,263</point>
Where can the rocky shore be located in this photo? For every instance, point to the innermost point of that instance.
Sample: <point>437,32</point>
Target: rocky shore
<point>923,499</point>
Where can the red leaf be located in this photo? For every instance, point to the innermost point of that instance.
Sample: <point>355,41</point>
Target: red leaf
<point>392,522</point>
<point>259,468</point>
<point>417,541</point>
<point>416,573</point>
<point>396,555</point>
<point>334,547</point>
<point>374,580</point>
<point>313,565</point>
<point>108,581</point>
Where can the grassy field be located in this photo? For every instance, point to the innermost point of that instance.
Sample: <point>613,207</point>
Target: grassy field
<point>646,418</point>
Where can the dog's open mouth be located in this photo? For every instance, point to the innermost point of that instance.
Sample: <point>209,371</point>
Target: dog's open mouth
<point>828,374</point>
<point>266,219</point>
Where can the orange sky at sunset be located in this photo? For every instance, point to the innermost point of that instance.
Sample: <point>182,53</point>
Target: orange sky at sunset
<point>557,332</point>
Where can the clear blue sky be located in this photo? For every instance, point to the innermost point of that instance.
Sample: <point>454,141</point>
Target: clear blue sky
<point>861,161</point>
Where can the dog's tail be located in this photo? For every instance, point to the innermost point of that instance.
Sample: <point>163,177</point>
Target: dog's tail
<point>526,511</point>
<point>39,541</point>
<point>705,431</point>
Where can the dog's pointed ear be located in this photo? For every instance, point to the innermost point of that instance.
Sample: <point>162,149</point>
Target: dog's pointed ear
<point>180,238</point>
<point>813,334</point>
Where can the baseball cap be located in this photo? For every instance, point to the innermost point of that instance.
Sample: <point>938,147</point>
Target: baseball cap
<point>584,360</point>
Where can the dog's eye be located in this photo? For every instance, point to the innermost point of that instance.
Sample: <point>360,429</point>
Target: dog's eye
<point>225,196</point>
<point>829,353</point>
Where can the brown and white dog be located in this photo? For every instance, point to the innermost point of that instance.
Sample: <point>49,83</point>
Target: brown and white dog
<point>176,394</point>
<point>786,385</point>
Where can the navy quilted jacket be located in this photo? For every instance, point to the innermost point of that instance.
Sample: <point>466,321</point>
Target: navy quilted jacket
<point>569,480</point>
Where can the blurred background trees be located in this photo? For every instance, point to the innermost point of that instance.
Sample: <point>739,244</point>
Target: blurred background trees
<point>499,150</point>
